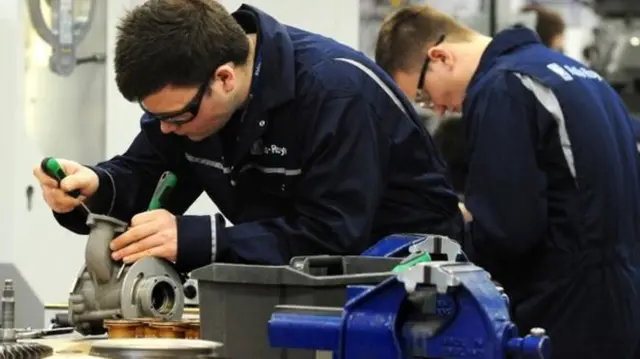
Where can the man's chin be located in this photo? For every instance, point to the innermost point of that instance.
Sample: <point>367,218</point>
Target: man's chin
<point>196,138</point>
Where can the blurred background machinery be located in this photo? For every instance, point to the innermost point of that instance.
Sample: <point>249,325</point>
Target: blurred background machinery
<point>70,23</point>
<point>615,51</point>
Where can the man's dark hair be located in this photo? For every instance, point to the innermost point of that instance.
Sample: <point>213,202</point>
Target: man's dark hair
<point>175,42</point>
<point>449,137</point>
<point>549,23</point>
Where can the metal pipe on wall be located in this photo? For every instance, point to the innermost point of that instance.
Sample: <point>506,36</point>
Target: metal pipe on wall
<point>66,33</point>
<point>66,112</point>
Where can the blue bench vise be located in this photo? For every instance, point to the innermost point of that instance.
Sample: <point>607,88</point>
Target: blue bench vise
<point>431,310</point>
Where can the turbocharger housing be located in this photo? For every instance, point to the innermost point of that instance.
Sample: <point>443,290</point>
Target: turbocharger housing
<point>105,289</point>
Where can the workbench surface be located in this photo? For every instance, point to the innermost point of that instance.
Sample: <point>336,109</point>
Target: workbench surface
<point>75,346</point>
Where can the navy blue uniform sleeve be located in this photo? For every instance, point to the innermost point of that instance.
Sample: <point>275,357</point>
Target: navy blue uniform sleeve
<point>336,197</point>
<point>128,181</point>
<point>505,189</point>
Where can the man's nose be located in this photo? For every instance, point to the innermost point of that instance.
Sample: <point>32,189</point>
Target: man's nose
<point>167,127</point>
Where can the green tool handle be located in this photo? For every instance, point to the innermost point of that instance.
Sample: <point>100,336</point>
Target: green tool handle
<point>165,186</point>
<point>51,167</point>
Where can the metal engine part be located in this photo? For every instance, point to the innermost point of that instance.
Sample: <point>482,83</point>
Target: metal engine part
<point>191,292</point>
<point>155,348</point>
<point>8,331</point>
<point>9,347</point>
<point>105,289</point>
<point>24,351</point>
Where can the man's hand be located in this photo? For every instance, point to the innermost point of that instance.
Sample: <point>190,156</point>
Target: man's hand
<point>468,217</point>
<point>152,233</point>
<point>78,177</point>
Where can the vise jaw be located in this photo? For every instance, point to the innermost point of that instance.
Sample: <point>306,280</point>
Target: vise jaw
<point>461,282</point>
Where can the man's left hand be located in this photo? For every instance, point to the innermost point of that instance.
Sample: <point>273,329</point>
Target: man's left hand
<point>152,233</point>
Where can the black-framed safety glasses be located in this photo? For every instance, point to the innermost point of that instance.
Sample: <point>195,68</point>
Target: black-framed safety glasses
<point>422,97</point>
<point>185,115</point>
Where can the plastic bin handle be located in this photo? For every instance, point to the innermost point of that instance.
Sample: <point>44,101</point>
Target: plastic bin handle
<point>306,264</point>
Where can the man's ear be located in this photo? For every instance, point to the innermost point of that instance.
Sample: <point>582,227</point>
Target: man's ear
<point>437,54</point>
<point>227,77</point>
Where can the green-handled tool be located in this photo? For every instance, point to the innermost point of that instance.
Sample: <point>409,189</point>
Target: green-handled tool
<point>412,260</point>
<point>165,186</point>
<point>51,167</point>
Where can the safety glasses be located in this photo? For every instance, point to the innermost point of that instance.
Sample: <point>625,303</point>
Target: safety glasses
<point>422,97</point>
<point>185,115</point>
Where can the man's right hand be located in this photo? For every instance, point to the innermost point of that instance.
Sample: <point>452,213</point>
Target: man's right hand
<point>468,217</point>
<point>78,177</point>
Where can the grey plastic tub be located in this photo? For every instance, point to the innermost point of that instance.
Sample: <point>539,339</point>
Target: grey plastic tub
<point>236,301</point>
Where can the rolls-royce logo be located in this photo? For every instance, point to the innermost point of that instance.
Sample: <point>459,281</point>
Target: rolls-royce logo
<point>259,148</point>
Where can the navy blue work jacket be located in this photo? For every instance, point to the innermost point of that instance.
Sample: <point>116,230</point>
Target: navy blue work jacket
<point>328,158</point>
<point>553,187</point>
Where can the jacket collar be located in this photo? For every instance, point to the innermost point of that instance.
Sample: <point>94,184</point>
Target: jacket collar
<point>504,42</point>
<point>276,79</point>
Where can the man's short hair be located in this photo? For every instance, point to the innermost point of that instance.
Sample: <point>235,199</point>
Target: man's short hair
<point>549,23</point>
<point>406,32</point>
<point>175,42</point>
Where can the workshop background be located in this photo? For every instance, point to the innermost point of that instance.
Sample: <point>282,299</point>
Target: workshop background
<point>50,105</point>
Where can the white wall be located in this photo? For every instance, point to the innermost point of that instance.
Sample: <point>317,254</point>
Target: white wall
<point>43,115</point>
<point>10,95</point>
<point>60,108</point>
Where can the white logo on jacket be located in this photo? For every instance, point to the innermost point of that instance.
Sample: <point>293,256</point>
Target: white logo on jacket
<point>259,148</point>
<point>567,72</point>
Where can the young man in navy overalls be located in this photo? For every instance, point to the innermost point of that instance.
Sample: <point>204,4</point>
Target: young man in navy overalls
<point>553,181</point>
